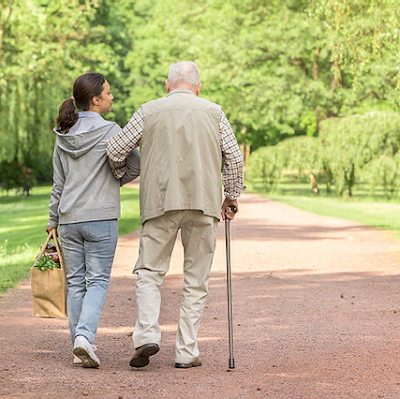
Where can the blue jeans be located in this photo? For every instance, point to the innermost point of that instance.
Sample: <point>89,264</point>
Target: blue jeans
<point>88,249</point>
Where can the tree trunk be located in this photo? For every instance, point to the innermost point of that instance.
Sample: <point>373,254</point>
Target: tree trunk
<point>350,180</point>
<point>315,67</point>
<point>17,109</point>
<point>336,75</point>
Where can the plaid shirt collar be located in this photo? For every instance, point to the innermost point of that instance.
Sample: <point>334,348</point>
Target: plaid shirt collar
<point>180,90</point>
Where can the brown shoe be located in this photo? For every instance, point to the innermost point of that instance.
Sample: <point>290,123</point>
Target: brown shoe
<point>196,363</point>
<point>142,354</point>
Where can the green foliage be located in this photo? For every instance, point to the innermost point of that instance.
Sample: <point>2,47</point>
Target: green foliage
<point>301,154</point>
<point>347,150</point>
<point>46,262</point>
<point>14,176</point>
<point>362,38</point>
<point>352,143</point>
<point>249,59</point>
<point>265,165</point>
<point>278,69</point>
<point>298,156</point>
<point>383,171</point>
<point>40,57</point>
<point>10,175</point>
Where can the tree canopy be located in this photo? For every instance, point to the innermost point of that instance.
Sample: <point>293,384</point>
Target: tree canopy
<point>277,68</point>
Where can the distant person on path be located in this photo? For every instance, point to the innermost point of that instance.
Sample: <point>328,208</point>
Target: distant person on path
<point>85,203</point>
<point>183,140</point>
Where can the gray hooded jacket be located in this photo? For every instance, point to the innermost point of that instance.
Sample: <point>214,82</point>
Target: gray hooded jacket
<point>84,188</point>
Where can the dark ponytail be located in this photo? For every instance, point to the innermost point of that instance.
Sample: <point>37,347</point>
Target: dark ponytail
<point>67,116</point>
<point>85,88</point>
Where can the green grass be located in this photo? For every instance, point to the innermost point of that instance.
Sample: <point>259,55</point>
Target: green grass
<point>374,210</point>
<point>130,211</point>
<point>23,222</point>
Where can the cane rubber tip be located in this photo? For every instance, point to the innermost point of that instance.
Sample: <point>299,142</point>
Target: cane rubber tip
<point>231,363</point>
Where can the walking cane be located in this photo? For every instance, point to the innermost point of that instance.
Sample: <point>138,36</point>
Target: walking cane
<point>228,277</point>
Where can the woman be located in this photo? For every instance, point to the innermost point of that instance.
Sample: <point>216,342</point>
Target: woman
<point>85,203</point>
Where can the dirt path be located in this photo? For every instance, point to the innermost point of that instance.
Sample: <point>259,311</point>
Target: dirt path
<point>316,315</point>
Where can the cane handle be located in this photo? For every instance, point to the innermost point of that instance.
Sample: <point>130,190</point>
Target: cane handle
<point>233,208</point>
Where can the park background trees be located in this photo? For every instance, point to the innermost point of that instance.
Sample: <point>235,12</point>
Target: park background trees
<point>279,69</point>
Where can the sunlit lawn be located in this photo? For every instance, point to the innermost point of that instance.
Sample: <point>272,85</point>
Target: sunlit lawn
<point>372,209</point>
<point>23,221</point>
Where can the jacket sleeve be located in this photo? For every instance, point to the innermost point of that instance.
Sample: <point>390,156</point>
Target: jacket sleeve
<point>132,167</point>
<point>58,186</point>
<point>121,145</point>
<point>233,160</point>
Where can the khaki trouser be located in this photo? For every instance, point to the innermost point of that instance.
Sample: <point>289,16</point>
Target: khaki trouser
<point>157,239</point>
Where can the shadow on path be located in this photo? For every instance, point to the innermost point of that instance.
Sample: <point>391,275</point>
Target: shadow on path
<point>295,335</point>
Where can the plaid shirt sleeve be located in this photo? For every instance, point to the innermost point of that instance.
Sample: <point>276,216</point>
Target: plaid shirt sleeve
<point>120,146</point>
<point>232,173</point>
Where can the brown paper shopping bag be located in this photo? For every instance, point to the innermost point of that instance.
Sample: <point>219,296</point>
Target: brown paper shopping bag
<point>48,287</point>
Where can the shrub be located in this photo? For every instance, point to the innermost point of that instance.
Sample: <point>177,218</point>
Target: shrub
<point>384,172</point>
<point>265,165</point>
<point>352,143</point>
<point>10,175</point>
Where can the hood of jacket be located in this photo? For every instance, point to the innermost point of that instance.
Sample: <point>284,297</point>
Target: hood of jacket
<point>84,135</point>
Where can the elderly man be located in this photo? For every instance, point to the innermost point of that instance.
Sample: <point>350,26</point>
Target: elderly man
<point>183,141</point>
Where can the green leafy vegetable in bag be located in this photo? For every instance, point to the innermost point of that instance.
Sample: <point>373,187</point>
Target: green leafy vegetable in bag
<point>46,262</point>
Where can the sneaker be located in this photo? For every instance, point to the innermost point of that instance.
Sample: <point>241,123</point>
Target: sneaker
<point>85,351</point>
<point>77,360</point>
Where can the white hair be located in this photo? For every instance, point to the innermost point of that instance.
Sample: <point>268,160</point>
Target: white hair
<point>184,72</point>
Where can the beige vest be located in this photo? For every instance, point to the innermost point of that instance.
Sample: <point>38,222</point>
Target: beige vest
<point>180,166</point>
